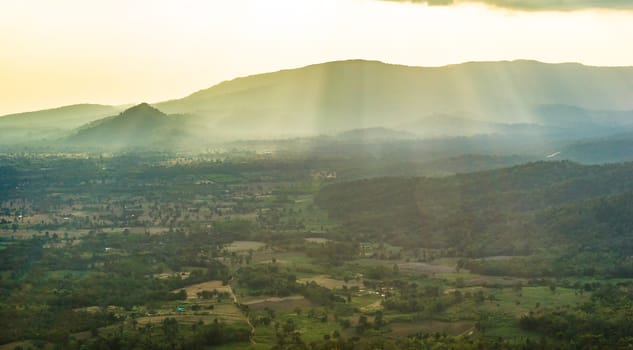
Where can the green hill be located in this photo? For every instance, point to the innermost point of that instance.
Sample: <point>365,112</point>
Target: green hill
<point>550,208</point>
<point>139,126</point>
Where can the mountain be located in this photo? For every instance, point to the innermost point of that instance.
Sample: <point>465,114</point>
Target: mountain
<point>522,100</point>
<point>138,126</point>
<point>615,148</point>
<point>66,117</point>
<point>441,125</point>
<point>337,96</point>
<point>377,134</point>
<point>50,123</point>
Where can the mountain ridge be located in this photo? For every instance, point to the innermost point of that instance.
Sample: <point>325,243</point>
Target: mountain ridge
<point>473,98</point>
<point>340,95</point>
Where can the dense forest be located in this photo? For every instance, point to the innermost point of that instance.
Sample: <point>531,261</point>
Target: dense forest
<point>574,216</point>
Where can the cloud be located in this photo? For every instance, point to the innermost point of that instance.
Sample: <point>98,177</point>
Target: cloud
<point>537,5</point>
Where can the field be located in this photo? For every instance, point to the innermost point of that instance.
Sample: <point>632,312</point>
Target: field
<point>401,329</point>
<point>278,303</point>
<point>245,246</point>
<point>249,259</point>
<point>194,289</point>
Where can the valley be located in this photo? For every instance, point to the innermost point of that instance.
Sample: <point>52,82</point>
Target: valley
<point>240,251</point>
<point>316,175</point>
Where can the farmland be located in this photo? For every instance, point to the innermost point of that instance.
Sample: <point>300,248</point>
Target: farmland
<point>234,255</point>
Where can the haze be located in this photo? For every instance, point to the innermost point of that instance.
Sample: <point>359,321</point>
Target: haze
<point>119,52</point>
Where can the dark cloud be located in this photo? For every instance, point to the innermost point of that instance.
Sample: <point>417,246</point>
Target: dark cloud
<point>537,5</point>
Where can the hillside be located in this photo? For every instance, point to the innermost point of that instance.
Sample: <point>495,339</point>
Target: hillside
<point>377,134</point>
<point>66,117</point>
<point>50,123</point>
<point>345,95</point>
<point>511,211</point>
<point>138,126</point>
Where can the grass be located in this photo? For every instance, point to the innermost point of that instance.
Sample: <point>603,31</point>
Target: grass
<point>279,304</point>
<point>316,220</point>
<point>245,246</point>
<point>472,279</point>
<point>225,311</point>
<point>192,290</point>
<point>243,346</point>
<point>311,329</point>
<point>529,297</point>
<point>403,329</point>
<point>373,248</point>
<point>317,240</point>
<point>501,325</point>
<point>223,178</point>
<point>363,299</point>
<point>300,264</point>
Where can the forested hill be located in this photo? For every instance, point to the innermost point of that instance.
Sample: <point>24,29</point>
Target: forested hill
<point>344,95</point>
<point>552,207</point>
<point>139,126</point>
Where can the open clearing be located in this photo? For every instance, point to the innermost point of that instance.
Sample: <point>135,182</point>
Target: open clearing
<point>244,246</point>
<point>194,289</point>
<point>375,306</point>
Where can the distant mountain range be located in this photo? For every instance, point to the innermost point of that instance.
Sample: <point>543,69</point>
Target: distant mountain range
<point>525,98</point>
<point>50,123</point>
<point>346,95</point>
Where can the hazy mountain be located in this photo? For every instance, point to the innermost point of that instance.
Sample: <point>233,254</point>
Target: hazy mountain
<point>138,126</point>
<point>583,122</point>
<point>50,123</point>
<point>439,125</point>
<point>66,117</point>
<point>337,96</point>
<point>376,134</point>
<point>615,148</point>
<point>523,100</point>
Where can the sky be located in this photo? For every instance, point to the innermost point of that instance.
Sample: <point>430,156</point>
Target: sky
<point>61,52</point>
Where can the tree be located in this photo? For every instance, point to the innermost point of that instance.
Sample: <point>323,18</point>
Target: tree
<point>170,329</point>
<point>378,319</point>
